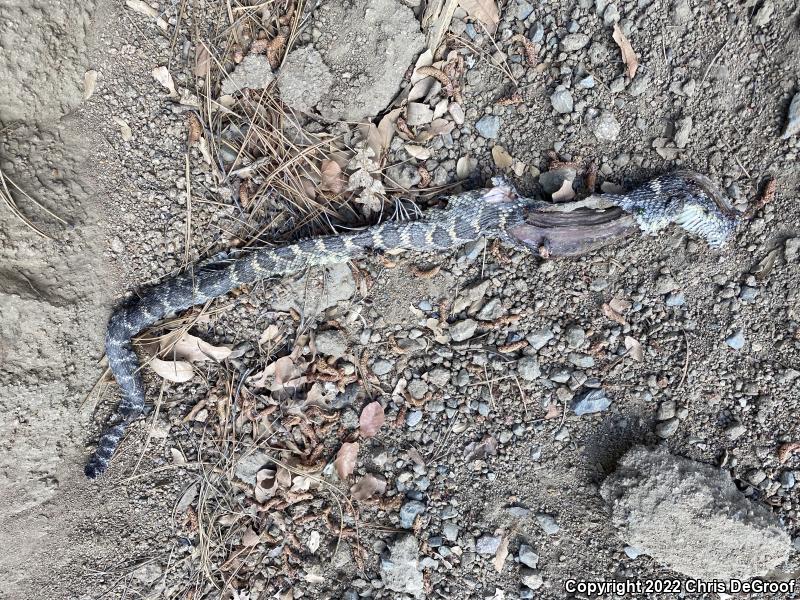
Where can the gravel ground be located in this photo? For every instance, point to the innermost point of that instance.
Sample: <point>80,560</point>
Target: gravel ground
<point>508,386</point>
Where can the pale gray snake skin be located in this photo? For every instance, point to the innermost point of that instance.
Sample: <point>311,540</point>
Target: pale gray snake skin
<point>684,198</point>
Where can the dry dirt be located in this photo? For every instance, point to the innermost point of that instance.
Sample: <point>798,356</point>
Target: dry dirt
<point>487,448</point>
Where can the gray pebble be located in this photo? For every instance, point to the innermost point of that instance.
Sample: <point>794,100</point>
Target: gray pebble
<point>667,428</point>
<point>605,127</point>
<point>381,367</point>
<point>528,368</point>
<point>527,556</point>
<point>487,545</point>
<point>331,343</point>
<point>583,361</point>
<point>632,552</point>
<point>413,418</point>
<point>561,100</point>
<point>590,402</point>
<point>547,523</point>
<point>463,330</point>
<point>735,430</point>
<point>574,42</point>
<point>737,340</point>
<point>409,513</point>
<point>787,479</point>
<point>675,299</point>
<point>488,126</point>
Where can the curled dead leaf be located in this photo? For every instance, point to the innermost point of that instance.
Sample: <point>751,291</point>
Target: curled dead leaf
<point>346,459</point>
<point>368,487</point>
<point>372,419</point>
<point>485,11</point>
<point>634,348</point>
<point>191,348</point>
<point>501,157</point>
<point>89,83</point>
<point>628,55</point>
<point>162,76</point>
<point>613,315</point>
<point>172,370</point>
<point>331,178</point>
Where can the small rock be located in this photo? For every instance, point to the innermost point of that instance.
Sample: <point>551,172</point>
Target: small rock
<point>756,476</point>
<point>592,401</point>
<point>531,579</point>
<point>639,85</point>
<point>582,361</point>
<point>487,545</point>
<point>666,410</point>
<point>547,523</point>
<point>417,388</point>
<point>737,340</point>
<point>665,284</point>
<point>439,376</point>
<point>413,418</point>
<point>561,100</point>
<point>249,465</point>
<point>667,428</point>
<point>682,12</point>
<point>528,368</point>
<point>331,343</point>
<point>463,330</point>
<point>605,127</point>
<point>682,132</point>
<point>787,479</point>
<point>552,181</point>
<point>524,10</point>
<point>632,552</point>
<point>764,14</point>
<point>405,175</point>
<point>488,126</point>
<point>536,33</point>
<point>793,122</point>
<point>539,338</point>
<point>575,337</point>
<point>409,513</point>
<point>491,310</point>
<point>254,72</point>
<point>587,82</point>
<point>401,572</point>
<point>735,430</point>
<point>574,42</point>
<point>675,299</point>
<point>450,531</point>
<point>527,556</point>
<point>381,367</point>
<point>611,14</point>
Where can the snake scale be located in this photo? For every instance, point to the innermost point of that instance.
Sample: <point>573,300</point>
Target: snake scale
<point>688,199</point>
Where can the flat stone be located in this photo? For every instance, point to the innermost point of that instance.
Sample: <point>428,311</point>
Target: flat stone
<point>667,428</point>
<point>409,513</point>
<point>561,100</point>
<point>538,339</point>
<point>590,402</point>
<point>528,557</point>
<point>547,523</point>
<point>574,42</point>
<point>605,127</point>
<point>736,340</point>
<point>487,545</point>
<point>400,572</point>
<point>488,126</point>
<point>331,342</point>
<point>463,330</point>
<point>528,368</point>
<point>254,72</point>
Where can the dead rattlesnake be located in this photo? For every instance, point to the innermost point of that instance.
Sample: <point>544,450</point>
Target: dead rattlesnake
<point>687,199</point>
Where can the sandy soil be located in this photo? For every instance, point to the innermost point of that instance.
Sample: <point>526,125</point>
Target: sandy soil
<point>485,442</point>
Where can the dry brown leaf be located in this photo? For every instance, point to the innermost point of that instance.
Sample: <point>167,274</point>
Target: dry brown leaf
<point>124,129</point>
<point>418,152</point>
<point>786,450</point>
<point>634,348</point>
<point>202,61</point>
<point>266,484</point>
<point>89,83</point>
<point>172,370</point>
<point>346,459</point>
<point>332,179</point>
<point>613,315</point>
<point>485,11</point>
<point>192,349</point>
<point>502,551</point>
<point>162,76</point>
<point>565,193</point>
<point>501,157</point>
<point>195,128</point>
<point>620,304</point>
<point>425,60</point>
<point>628,55</point>
<point>372,419</point>
<point>368,487</point>
<point>250,537</point>
<point>271,333</point>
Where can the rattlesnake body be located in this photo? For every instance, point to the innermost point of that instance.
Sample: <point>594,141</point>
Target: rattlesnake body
<point>684,198</point>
